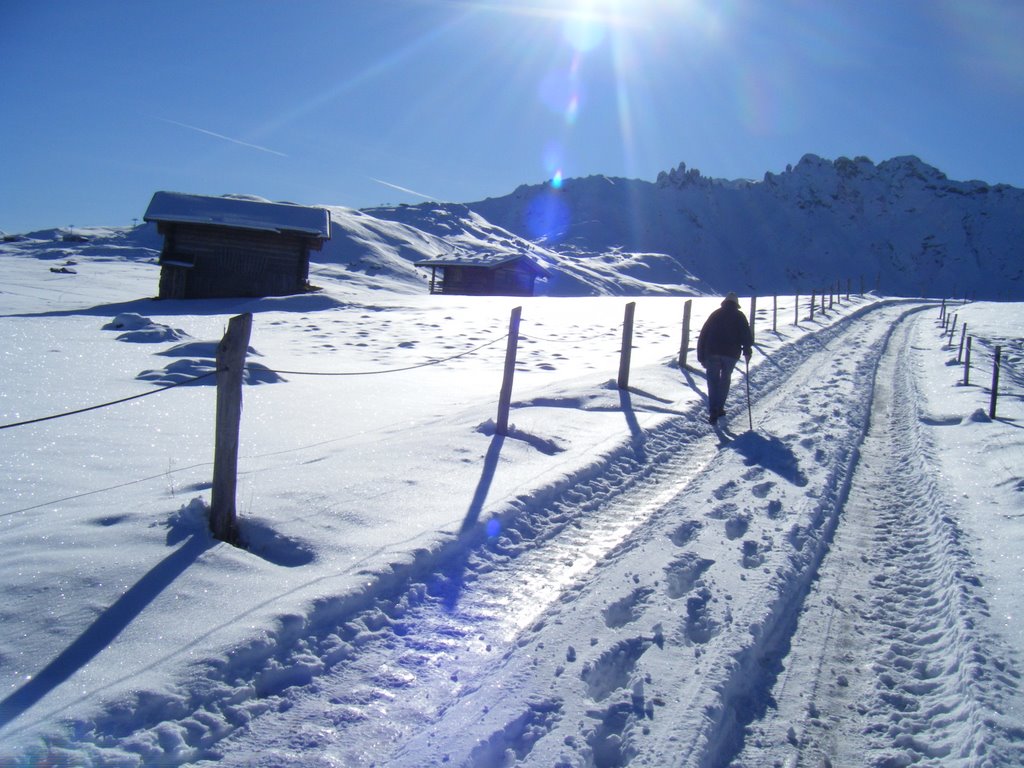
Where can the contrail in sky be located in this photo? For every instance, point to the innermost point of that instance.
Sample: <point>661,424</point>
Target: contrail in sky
<point>402,189</point>
<point>226,138</point>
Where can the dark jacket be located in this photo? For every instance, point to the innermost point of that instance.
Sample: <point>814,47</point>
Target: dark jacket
<point>726,333</point>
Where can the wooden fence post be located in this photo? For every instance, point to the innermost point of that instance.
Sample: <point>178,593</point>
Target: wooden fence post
<point>813,299</point>
<point>942,311</point>
<point>684,345</point>
<point>230,368</point>
<point>996,364</point>
<point>796,310</point>
<point>753,314</point>
<point>627,345</point>
<point>963,335</point>
<point>775,314</point>
<point>505,397</point>
<point>967,363</point>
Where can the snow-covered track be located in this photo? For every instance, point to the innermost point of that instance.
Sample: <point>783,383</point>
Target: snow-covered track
<point>893,664</point>
<point>699,537</point>
<point>433,654</point>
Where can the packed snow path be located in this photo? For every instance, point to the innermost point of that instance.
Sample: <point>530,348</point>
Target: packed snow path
<point>891,664</point>
<point>648,615</point>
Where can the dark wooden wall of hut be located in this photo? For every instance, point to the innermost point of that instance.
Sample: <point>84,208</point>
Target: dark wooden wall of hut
<point>215,262</point>
<point>506,280</point>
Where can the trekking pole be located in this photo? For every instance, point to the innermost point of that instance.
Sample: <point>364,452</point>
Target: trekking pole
<point>750,413</point>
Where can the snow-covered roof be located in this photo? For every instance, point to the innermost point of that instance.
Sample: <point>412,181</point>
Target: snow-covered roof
<point>240,213</point>
<point>483,260</point>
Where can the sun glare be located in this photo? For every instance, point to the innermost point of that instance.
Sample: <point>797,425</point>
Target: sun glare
<point>587,23</point>
<point>626,40</point>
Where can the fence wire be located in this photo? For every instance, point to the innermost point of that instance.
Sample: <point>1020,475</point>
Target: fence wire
<point>262,369</point>
<point>108,404</point>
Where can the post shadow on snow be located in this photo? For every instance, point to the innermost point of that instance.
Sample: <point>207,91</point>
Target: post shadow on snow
<point>771,453</point>
<point>692,382</point>
<point>256,537</point>
<point>449,583</point>
<point>107,626</point>
<point>770,359</point>
<point>637,434</point>
<point>665,402</point>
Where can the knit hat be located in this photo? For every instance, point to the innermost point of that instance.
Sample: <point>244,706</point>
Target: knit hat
<point>731,296</point>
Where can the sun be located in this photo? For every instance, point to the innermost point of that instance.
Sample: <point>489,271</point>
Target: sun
<point>588,21</point>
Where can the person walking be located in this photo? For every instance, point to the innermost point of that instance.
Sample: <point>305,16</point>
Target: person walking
<point>725,335</point>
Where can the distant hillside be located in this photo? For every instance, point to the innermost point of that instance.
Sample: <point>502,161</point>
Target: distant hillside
<point>900,224</point>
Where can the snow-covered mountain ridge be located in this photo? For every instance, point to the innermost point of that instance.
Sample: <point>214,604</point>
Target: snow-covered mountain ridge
<point>901,225</point>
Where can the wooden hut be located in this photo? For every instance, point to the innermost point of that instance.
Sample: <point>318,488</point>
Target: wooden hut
<point>218,247</point>
<point>484,274</point>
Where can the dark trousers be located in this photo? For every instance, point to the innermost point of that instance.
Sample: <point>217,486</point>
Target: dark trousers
<point>719,370</point>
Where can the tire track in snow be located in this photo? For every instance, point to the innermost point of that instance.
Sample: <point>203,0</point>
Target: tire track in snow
<point>891,664</point>
<point>675,685</point>
<point>414,648</point>
<point>438,642</point>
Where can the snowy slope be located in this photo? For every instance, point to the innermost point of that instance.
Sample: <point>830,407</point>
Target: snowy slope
<point>900,225</point>
<point>614,583</point>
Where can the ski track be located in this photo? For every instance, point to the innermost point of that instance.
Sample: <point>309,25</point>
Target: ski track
<point>892,664</point>
<point>390,677</point>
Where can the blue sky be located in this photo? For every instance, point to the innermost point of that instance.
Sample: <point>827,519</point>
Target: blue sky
<point>364,102</point>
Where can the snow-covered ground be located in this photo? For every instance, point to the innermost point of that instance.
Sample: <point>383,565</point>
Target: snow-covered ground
<point>614,583</point>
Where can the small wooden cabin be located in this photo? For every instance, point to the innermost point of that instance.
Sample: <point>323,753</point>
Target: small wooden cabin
<point>484,275</point>
<point>216,247</point>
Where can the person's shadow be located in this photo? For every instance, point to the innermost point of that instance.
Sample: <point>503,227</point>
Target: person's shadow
<point>107,626</point>
<point>771,453</point>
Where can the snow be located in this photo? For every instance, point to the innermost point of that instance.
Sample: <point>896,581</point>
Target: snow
<point>239,211</point>
<point>613,583</point>
<point>901,227</point>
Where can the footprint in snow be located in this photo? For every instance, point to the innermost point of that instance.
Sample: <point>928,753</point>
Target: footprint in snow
<point>753,555</point>
<point>519,735</point>
<point>754,473</point>
<point>726,491</point>
<point>685,533</point>
<point>700,626</point>
<point>681,574</point>
<point>723,511</point>
<point>627,609</point>
<point>736,527</point>
<point>611,671</point>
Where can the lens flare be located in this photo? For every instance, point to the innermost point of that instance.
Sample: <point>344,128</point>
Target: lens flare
<point>547,216</point>
<point>584,32</point>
